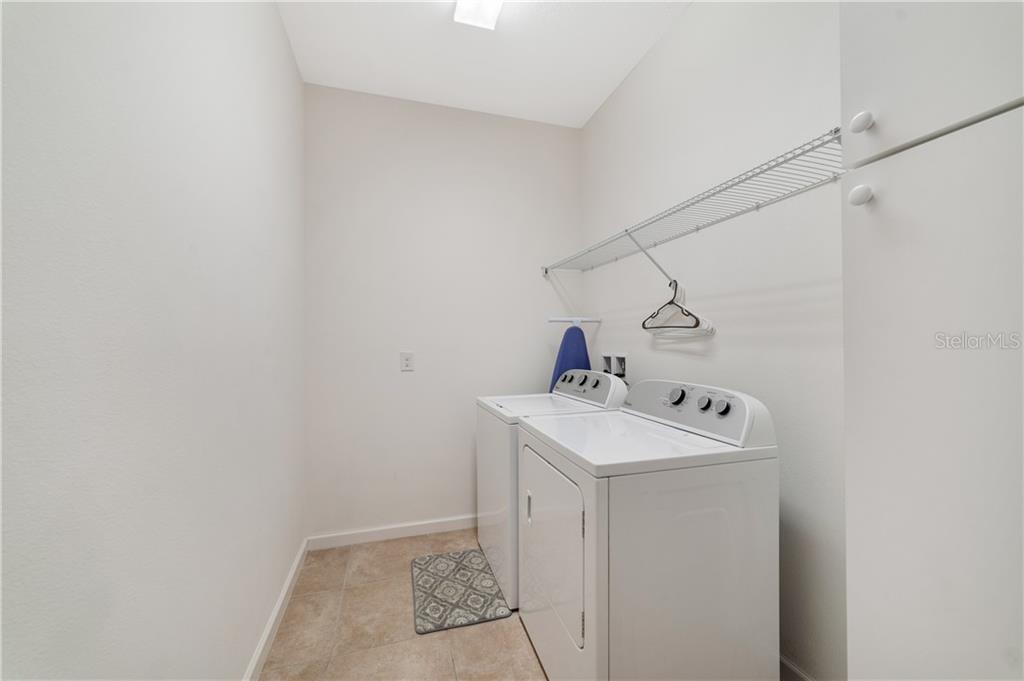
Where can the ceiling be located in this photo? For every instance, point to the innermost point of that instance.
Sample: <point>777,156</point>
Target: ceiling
<point>553,62</point>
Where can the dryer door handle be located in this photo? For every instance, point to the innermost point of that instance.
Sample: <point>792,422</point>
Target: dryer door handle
<point>529,507</point>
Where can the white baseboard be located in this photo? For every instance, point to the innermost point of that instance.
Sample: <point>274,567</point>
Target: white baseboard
<point>795,669</point>
<point>335,539</point>
<point>330,541</point>
<point>252,672</point>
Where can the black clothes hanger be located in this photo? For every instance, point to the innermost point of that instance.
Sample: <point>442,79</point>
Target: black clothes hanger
<point>646,326</point>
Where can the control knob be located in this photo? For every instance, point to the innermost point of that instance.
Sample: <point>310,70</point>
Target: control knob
<point>597,382</point>
<point>722,407</point>
<point>677,396</point>
<point>704,403</point>
<point>583,379</point>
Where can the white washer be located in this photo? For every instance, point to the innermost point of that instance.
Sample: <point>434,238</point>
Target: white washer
<point>497,437</point>
<point>649,537</point>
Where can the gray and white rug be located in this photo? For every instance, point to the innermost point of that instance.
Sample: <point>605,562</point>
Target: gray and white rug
<point>454,590</point>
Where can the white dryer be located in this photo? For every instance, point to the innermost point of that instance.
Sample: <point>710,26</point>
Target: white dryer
<point>497,439</point>
<point>649,537</point>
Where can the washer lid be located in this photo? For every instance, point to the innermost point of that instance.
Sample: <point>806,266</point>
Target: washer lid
<point>511,407</point>
<point>607,443</point>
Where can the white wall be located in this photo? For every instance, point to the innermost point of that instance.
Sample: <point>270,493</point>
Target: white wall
<point>728,87</point>
<point>933,437</point>
<point>426,231</point>
<point>933,399</point>
<point>152,300</point>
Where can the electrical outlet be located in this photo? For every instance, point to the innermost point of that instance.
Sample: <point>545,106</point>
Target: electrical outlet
<point>406,361</point>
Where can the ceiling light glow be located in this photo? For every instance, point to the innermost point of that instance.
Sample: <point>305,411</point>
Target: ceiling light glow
<point>479,13</point>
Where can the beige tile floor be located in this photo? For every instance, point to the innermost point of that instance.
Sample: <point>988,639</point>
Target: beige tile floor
<point>350,617</point>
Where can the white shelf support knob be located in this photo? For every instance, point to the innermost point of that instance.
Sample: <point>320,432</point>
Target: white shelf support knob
<point>862,121</point>
<point>860,195</point>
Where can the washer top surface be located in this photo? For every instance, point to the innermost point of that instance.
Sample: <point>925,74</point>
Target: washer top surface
<point>512,407</point>
<point>575,391</point>
<point>653,434</point>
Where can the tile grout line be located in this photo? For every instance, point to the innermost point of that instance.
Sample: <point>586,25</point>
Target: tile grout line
<point>333,655</point>
<point>451,656</point>
<point>315,593</point>
<point>384,645</point>
<point>327,659</point>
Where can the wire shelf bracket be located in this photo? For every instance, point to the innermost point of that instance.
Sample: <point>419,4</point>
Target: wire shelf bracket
<point>810,165</point>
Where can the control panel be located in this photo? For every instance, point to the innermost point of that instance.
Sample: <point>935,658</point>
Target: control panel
<point>593,386</point>
<point>723,414</point>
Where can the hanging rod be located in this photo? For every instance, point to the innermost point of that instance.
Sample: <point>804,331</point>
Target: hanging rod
<point>801,169</point>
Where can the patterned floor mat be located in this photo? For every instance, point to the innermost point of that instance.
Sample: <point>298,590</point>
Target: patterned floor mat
<point>454,590</point>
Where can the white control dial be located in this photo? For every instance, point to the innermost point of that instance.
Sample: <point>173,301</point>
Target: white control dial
<point>722,407</point>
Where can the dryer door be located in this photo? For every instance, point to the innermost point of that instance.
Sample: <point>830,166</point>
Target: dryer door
<point>551,548</point>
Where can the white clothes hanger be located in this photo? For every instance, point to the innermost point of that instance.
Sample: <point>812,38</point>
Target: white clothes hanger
<point>691,326</point>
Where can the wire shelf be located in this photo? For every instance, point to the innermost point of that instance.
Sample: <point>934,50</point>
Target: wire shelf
<point>810,165</point>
